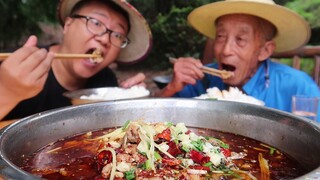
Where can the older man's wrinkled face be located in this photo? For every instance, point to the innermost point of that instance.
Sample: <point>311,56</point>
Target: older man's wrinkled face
<point>237,47</point>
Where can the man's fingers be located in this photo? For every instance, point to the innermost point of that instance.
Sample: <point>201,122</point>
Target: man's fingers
<point>43,67</point>
<point>33,60</point>
<point>139,77</point>
<point>135,80</point>
<point>32,41</point>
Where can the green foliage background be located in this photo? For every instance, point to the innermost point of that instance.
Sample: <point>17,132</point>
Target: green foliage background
<point>167,18</point>
<point>21,18</point>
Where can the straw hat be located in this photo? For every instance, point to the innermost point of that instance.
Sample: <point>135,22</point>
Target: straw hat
<point>292,30</point>
<point>140,35</point>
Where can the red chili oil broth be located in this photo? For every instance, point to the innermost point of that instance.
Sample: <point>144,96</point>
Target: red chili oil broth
<point>73,158</point>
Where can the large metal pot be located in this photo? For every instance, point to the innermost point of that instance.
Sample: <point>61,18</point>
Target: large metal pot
<point>298,137</point>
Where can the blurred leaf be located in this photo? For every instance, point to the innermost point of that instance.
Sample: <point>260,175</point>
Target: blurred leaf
<point>20,18</point>
<point>309,9</point>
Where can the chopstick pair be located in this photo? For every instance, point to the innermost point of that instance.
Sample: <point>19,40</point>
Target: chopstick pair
<point>96,55</point>
<point>223,74</point>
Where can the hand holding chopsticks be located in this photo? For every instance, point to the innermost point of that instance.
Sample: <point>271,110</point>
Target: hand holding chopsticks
<point>223,74</point>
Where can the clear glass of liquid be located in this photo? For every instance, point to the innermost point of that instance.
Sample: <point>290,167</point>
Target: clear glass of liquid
<point>306,106</point>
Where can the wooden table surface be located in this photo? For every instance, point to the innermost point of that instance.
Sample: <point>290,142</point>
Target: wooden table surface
<point>4,123</point>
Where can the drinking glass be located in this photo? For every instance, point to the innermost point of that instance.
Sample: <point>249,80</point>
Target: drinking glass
<point>306,106</point>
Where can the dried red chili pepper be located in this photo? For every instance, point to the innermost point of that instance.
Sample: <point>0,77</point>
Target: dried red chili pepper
<point>174,149</point>
<point>166,134</point>
<point>200,167</point>
<point>171,161</point>
<point>198,157</point>
<point>104,157</point>
<point>226,152</point>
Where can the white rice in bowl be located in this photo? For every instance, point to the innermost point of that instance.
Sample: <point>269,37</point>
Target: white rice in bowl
<point>116,93</point>
<point>233,94</point>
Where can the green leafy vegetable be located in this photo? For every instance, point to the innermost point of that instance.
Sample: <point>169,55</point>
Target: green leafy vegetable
<point>157,156</point>
<point>125,126</point>
<point>129,175</point>
<point>208,164</point>
<point>221,143</point>
<point>148,165</point>
<point>169,124</point>
<point>198,145</point>
<point>272,150</point>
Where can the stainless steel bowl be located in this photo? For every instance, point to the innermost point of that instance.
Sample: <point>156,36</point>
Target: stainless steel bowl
<point>296,136</point>
<point>162,81</point>
<point>76,97</point>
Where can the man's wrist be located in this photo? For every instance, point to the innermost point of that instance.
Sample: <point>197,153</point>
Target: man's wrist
<point>167,91</point>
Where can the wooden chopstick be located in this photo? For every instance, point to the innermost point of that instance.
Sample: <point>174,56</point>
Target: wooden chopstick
<point>223,74</point>
<point>67,56</point>
<point>215,72</point>
<point>4,55</point>
<point>60,56</point>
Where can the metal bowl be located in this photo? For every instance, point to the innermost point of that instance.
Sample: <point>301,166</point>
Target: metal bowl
<point>162,81</point>
<point>298,137</point>
<point>85,96</point>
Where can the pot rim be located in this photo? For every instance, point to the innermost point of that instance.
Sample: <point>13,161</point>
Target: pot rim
<point>11,170</point>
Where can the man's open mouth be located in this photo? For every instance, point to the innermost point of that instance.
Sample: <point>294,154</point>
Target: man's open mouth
<point>97,52</point>
<point>228,67</point>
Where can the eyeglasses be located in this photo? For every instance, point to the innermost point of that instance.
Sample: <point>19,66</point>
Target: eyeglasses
<point>97,28</point>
